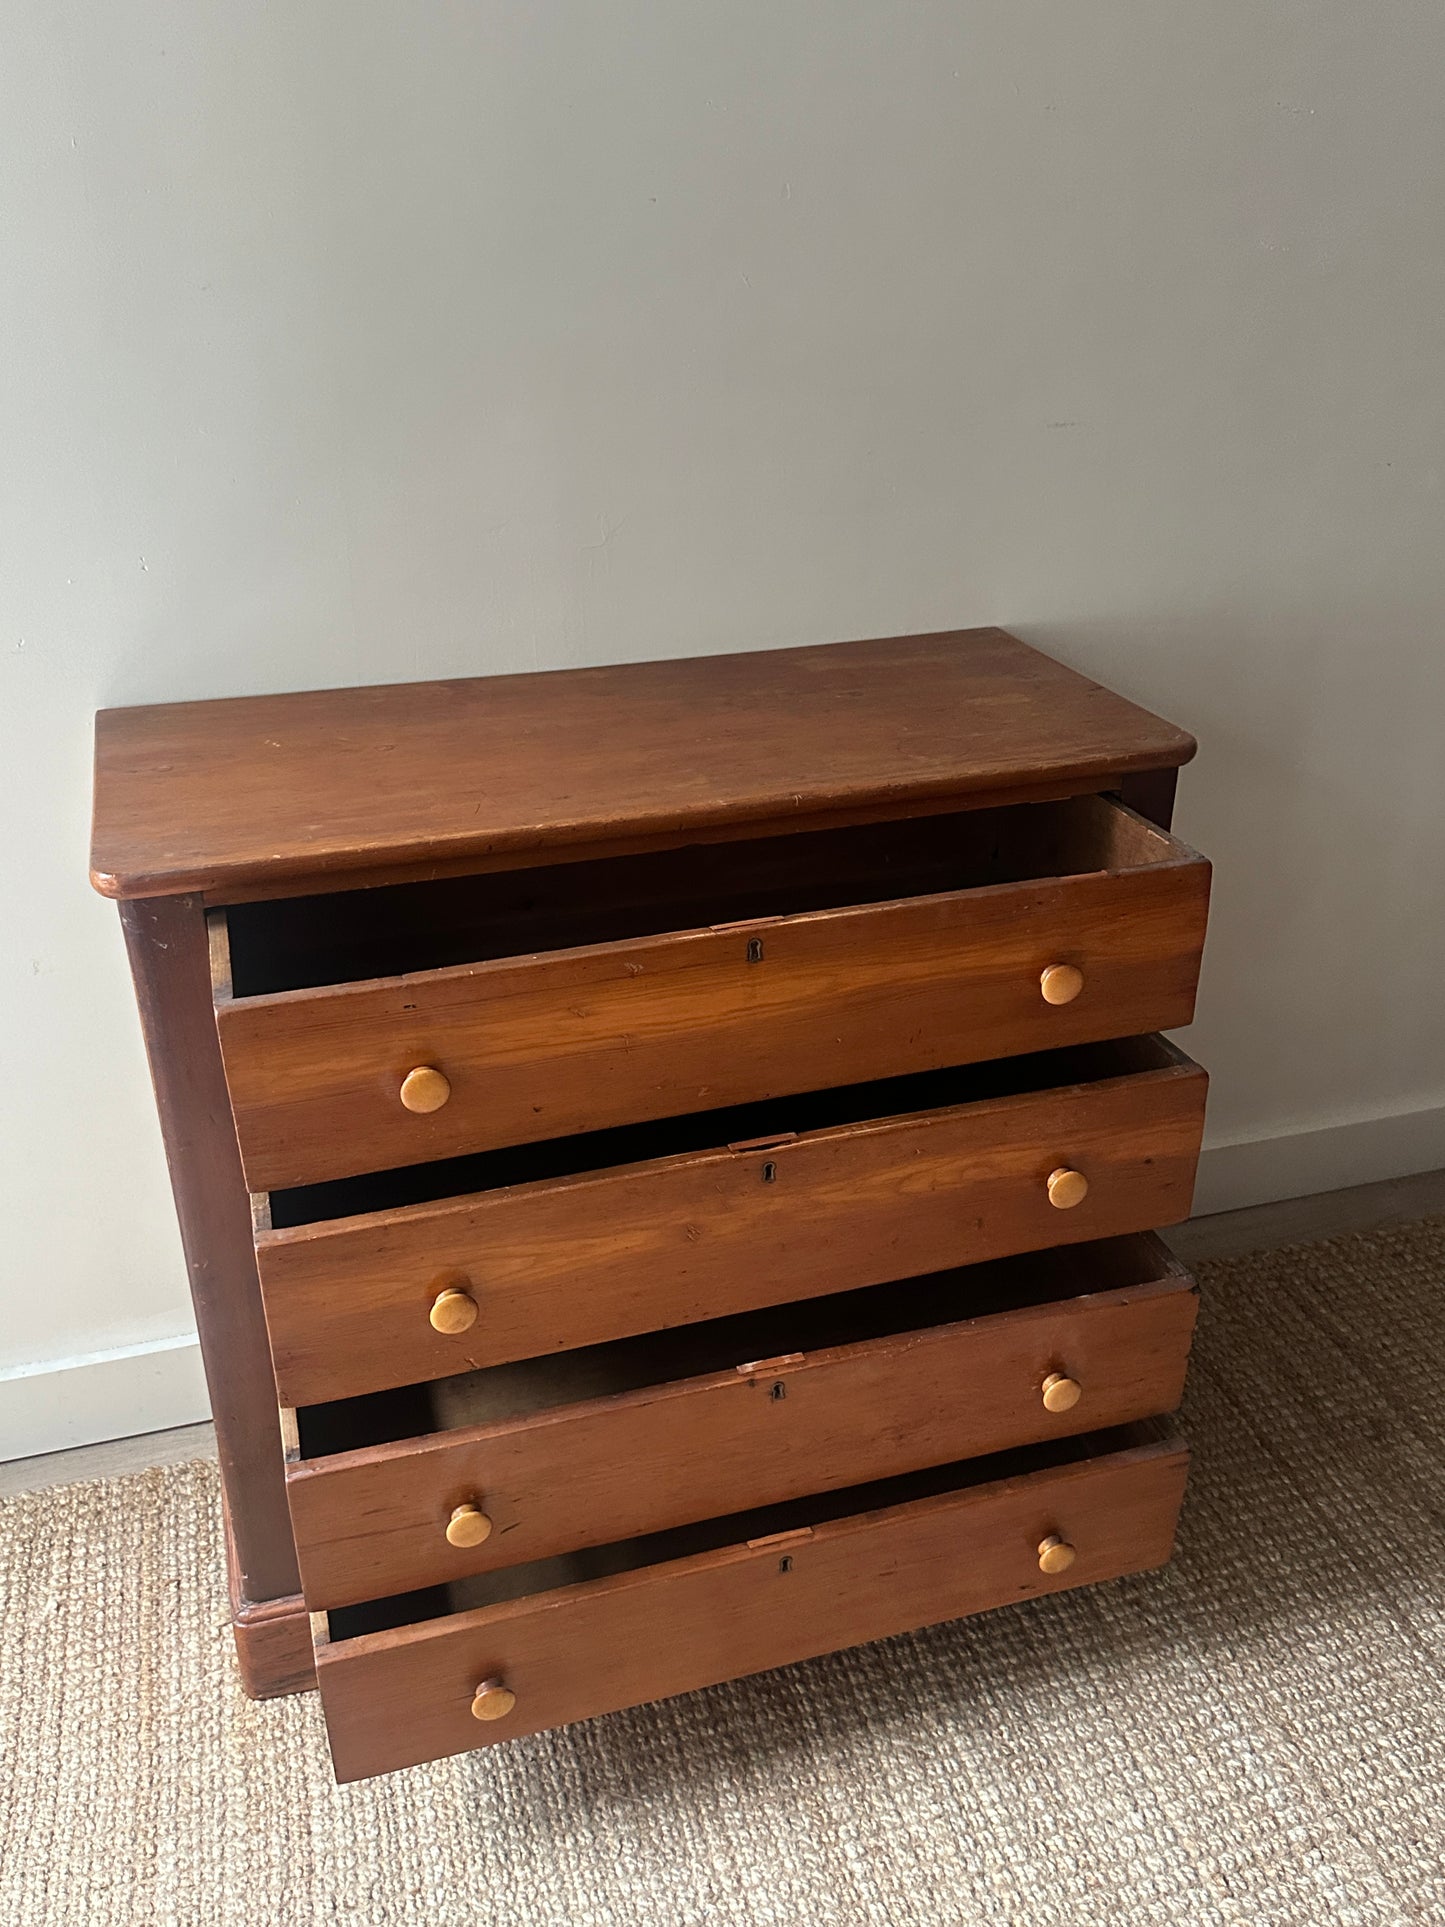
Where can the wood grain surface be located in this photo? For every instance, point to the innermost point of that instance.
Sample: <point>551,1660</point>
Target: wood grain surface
<point>308,942</point>
<point>258,791</point>
<point>373,1522</point>
<point>403,1695</point>
<point>167,945</point>
<point>622,898</point>
<point>577,1260</point>
<point>575,1040</point>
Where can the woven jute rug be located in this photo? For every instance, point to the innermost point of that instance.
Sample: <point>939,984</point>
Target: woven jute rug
<point>1253,1736</point>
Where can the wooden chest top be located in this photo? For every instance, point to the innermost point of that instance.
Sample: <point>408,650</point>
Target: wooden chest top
<point>261,794</point>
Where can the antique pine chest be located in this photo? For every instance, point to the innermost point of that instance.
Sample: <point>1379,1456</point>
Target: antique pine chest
<point>679,1146</point>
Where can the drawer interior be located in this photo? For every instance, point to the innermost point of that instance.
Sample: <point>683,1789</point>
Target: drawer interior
<point>681,1542</point>
<point>722,1345</point>
<point>709,1130</point>
<point>306,942</point>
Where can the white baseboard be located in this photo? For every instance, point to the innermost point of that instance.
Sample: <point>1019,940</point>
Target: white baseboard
<point>1299,1164</point>
<point>104,1395</point>
<point>152,1387</point>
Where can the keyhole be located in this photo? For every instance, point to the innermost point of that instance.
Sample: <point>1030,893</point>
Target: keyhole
<point>770,1172</point>
<point>755,950</point>
<point>785,1564</point>
<point>779,1391</point>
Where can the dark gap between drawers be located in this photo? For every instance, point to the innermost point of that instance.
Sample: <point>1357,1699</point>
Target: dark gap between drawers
<point>681,1542</point>
<point>499,1393</point>
<point>714,1130</point>
<point>301,943</point>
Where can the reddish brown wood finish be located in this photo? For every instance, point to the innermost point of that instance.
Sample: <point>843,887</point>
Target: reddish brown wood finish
<point>399,1697</point>
<point>296,796</point>
<point>273,1636</point>
<point>1151,793</point>
<point>166,940</point>
<point>576,1040</point>
<point>575,1261</point>
<point>372,1523</point>
<point>262,792</point>
<point>273,1647</point>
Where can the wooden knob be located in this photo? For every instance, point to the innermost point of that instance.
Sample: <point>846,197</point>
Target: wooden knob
<point>454,1311</point>
<point>492,1701</point>
<point>468,1526</point>
<point>1055,1555</point>
<point>1067,1188</point>
<point>424,1089</point>
<point>1061,983</point>
<point>1061,1394</point>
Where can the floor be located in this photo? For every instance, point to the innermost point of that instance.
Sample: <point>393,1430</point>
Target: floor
<point>1264,1227</point>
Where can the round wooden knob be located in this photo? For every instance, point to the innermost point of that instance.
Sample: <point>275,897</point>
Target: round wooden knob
<point>1061,983</point>
<point>1055,1554</point>
<point>492,1701</point>
<point>468,1526</point>
<point>424,1089</point>
<point>1061,1394</point>
<point>1067,1188</point>
<point>454,1311</point>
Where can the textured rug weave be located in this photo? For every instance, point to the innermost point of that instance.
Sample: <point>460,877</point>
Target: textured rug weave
<point>1253,1736</point>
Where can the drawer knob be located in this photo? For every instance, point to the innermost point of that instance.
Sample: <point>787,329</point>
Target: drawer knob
<point>1061,983</point>
<point>454,1311</point>
<point>1061,1394</point>
<point>424,1089</point>
<point>468,1526</point>
<point>492,1701</point>
<point>1055,1554</point>
<point>1067,1188</point>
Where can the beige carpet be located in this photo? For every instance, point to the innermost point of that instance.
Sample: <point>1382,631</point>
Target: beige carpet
<point>1254,1736</point>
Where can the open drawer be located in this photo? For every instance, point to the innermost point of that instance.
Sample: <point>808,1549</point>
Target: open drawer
<point>521,1462</point>
<point>368,1030</point>
<point>569,1244</point>
<point>419,1678</point>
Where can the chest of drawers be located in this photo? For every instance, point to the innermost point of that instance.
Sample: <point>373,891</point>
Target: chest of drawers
<point>668,1159</point>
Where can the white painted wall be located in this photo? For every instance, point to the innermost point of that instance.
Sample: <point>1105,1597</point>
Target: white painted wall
<point>348,341</point>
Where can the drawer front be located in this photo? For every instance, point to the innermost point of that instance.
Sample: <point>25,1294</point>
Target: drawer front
<point>576,1040</point>
<point>373,1523</point>
<point>399,1697</point>
<point>577,1261</point>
